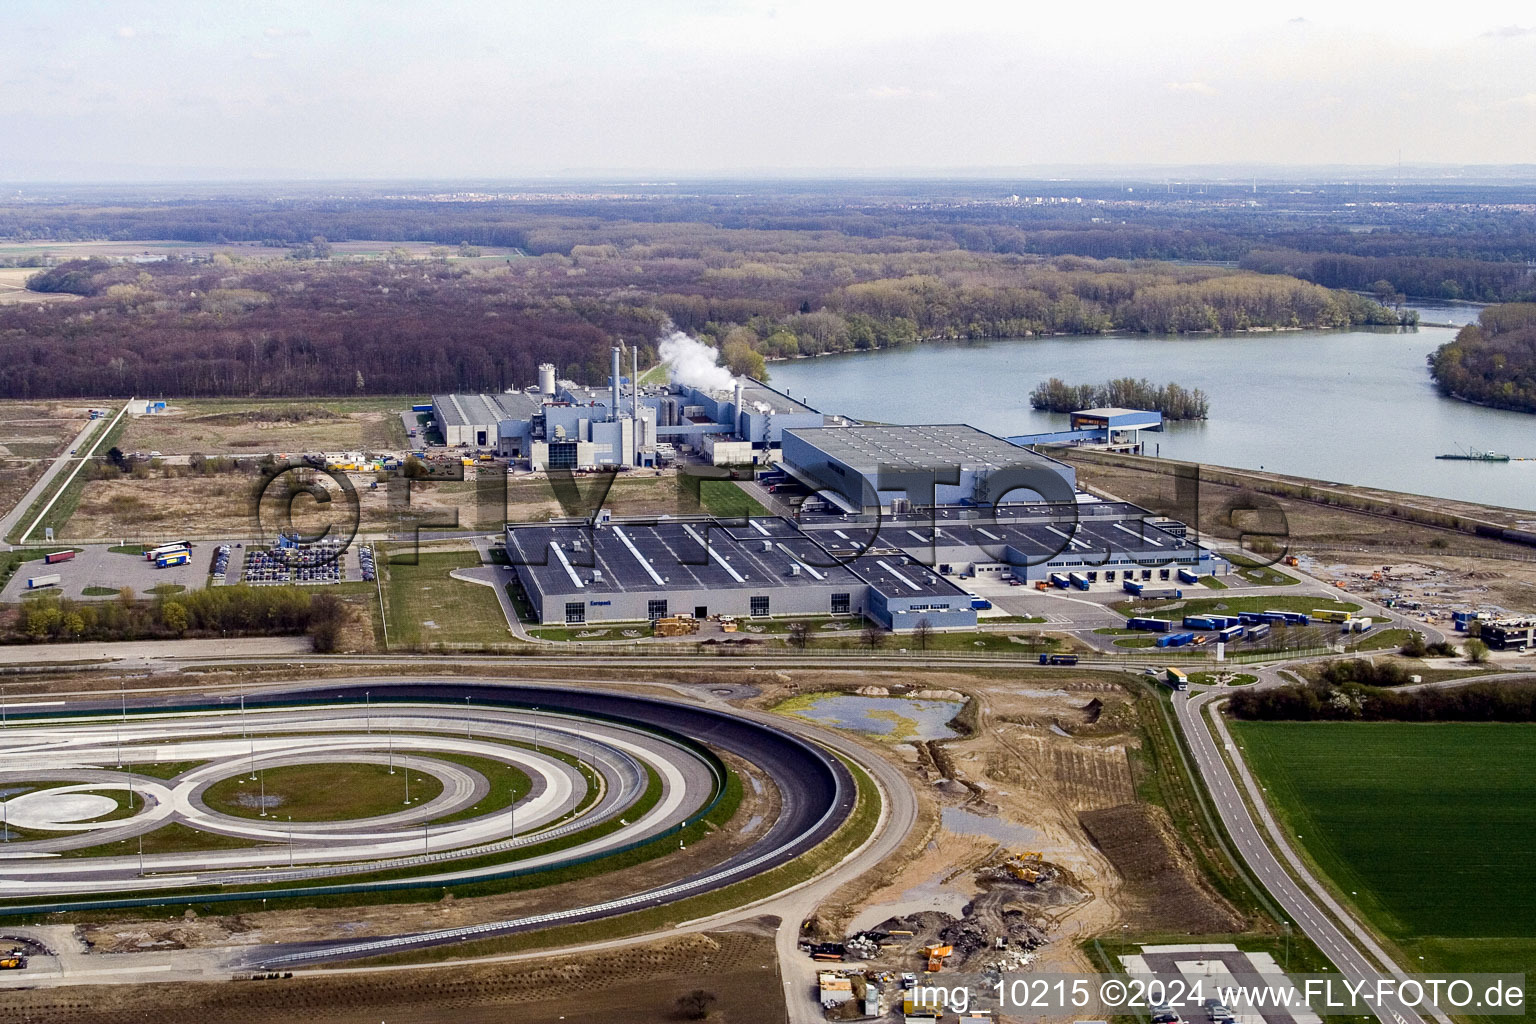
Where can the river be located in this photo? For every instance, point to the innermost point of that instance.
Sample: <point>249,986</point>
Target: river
<point>1353,406</point>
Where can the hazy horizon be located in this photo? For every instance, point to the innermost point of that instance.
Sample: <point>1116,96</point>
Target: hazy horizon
<point>755,88</point>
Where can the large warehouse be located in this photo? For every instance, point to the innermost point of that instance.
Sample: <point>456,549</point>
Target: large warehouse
<point>1105,541</point>
<point>636,570</point>
<point>864,468</point>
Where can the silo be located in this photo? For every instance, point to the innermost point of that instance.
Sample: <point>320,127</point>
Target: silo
<point>547,379</point>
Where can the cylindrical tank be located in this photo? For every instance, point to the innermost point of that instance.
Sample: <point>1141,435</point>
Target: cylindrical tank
<point>547,378</point>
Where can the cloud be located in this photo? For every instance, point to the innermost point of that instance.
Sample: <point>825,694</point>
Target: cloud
<point>273,32</point>
<point>1197,88</point>
<point>263,55</point>
<point>126,32</point>
<point>1528,100</point>
<point>1509,32</point>
<point>888,92</point>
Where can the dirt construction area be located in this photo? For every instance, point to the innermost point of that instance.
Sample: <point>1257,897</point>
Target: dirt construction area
<point>1039,751</point>
<point>256,427</point>
<point>639,984</point>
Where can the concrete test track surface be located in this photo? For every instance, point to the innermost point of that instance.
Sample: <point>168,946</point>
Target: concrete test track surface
<point>616,734</point>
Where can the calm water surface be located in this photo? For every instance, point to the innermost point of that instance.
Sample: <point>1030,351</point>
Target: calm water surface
<point>1353,406</point>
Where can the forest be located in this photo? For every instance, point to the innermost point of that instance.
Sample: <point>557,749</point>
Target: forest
<point>237,324</point>
<point>1431,240</point>
<point>1492,362</point>
<point>1174,401</point>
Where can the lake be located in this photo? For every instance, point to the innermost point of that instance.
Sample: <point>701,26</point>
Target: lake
<point>1354,406</point>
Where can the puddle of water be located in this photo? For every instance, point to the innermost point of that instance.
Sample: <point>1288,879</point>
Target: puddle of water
<point>1034,692</point>
<point>928,896</point>
<point>897,718</point>
<point>969,823</point>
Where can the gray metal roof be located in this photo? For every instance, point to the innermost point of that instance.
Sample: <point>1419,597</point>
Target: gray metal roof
<point>462,410</point>
<point>652,555</point>
<point>866,448</point>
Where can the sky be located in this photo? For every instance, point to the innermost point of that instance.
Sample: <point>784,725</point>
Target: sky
<point>332,89</point>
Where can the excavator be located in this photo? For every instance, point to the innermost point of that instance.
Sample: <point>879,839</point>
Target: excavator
<point>1025,866</point>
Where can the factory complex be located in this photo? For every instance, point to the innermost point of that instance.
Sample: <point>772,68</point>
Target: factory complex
<point>559,424</point>
<point>883,520</point>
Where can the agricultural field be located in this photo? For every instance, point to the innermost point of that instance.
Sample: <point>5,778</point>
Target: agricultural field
<point>13,288</point>
<point>31,433</point>
<point>1427,829</point>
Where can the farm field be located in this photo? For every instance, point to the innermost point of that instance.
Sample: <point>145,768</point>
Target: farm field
<point>1426,828</point>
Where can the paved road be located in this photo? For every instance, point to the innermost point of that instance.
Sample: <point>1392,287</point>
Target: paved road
<point>1300,901</point>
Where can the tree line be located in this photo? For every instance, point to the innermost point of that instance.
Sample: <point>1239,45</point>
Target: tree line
<point>331,327</point>
<point>1491,362</point>
<point>1172,400</point>
<point>1360,691</point>
<point>213,611</point>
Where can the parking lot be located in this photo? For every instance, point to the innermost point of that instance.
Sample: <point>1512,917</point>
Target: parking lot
<point>98,569</point>
<point>299,566</point>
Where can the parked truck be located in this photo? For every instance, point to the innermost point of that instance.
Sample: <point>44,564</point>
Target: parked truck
<point>155,554</point>
<point>39,582</point>
<point>1060,581</point>
<point>175,558</point>
<point>1150,625</point>
<point>1188,576</point>
<point>58,556</point>
<point>1078,580</point>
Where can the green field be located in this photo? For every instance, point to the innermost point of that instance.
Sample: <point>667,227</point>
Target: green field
<point>426,607</point>
<point>1428,829</point>
<point>321,792</point>
<point>1233,605</point>
<point>724,498</point>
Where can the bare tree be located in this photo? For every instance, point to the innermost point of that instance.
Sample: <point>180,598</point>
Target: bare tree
<point>799,634</point>
<point>695,1005</point>
<point>872,636</point>
<point>922,633</point>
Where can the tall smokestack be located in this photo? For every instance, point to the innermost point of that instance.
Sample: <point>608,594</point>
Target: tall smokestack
<point>737,411</point>
<point>634,381</point>
<point>616,358</point>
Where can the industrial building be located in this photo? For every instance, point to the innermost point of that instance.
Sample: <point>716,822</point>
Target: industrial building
<point>867,468</point>
<point>475,420</point>
<point>1110,429</point>
<point>1509,634</point>
<point>643,569</point>
<point>1104,541</point>
<point>562,424</point>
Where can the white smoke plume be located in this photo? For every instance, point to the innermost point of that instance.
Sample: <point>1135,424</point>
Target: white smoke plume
<point>692,363</point>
